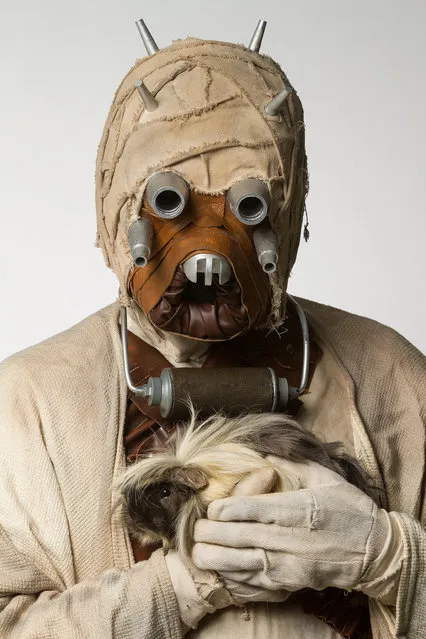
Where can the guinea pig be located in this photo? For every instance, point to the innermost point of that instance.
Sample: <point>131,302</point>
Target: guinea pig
<point>165,493</point>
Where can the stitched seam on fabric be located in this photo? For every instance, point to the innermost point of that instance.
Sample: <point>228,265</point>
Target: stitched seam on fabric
<point>194,112</point>
<point>243,59</point>
<point>209,80</point>
<point>255,68</point>
<point>314,513</point>
<point>367,558</point>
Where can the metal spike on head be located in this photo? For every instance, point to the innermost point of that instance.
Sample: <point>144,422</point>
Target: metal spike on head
<point>147,98</point>
<point>256,41</point>
<point>276,104</point>
<point>149,42</point>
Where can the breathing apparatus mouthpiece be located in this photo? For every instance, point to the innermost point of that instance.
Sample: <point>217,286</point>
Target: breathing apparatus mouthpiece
<point>205,266</point>
<point>230,390</point>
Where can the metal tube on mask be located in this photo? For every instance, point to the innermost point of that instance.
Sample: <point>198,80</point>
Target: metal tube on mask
<point>146,96</point>
<point>167,193</point>
<point>149,42</point>
<point>256,41</point>
<point>205,266</point>
<point>266,244</point>
<point>140,240</point>
<point>276,104</point>
<point>249,200</point>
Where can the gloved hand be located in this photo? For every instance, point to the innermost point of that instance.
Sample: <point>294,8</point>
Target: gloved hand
<point>199,592</point>
<point>328,533</point>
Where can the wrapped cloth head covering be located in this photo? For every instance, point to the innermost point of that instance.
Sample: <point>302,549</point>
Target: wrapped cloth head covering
<point>210,127</point>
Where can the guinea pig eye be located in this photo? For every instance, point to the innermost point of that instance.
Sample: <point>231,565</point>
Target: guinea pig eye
<point>165,492</point>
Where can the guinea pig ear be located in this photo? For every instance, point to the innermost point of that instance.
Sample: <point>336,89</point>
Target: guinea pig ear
<point>190,476</point>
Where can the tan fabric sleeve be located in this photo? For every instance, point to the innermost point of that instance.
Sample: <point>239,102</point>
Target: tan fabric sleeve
<point>381,580</point>
<point>389,392</point>
<point>134,604</point>
<point>49,588</point>
<point>406,619</point>
<point>411,599</point>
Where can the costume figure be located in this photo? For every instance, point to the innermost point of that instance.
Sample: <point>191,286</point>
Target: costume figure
<point>201,181</point>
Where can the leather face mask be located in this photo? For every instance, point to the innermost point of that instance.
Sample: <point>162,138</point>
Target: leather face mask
<point>214,305</point>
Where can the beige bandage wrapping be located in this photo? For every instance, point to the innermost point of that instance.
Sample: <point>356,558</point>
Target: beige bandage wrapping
<point>210,127</point>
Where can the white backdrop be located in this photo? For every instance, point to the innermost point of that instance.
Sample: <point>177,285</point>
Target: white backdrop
<point>358,66</point>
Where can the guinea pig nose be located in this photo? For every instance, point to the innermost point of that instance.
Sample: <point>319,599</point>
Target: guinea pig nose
<point>203,266</point>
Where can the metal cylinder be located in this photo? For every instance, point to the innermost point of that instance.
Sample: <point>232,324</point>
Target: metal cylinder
<point>146,96</point>
<point>276,104</point>
<point>167,194</point>
<point>140,236</point>
<point>230,390</point>
<point>266,244</point>
<point>249,200</point>
<point>149,42</point>
<point>256,41</point>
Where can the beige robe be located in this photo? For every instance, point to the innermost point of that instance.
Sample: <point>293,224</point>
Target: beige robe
<point>66,563</point>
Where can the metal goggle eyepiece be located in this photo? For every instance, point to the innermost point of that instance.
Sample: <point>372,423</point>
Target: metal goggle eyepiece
<point>249,200</point>
<point>167,194</point>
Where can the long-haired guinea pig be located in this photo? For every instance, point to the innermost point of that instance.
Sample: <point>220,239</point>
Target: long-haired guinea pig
<point>165,493</point>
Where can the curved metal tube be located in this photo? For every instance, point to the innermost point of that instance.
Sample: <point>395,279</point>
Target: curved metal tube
<point>142,391</point>
<point>306,345</point>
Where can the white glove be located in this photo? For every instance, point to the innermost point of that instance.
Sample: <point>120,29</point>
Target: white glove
<point>328,533</point>
<point>199,592</point>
